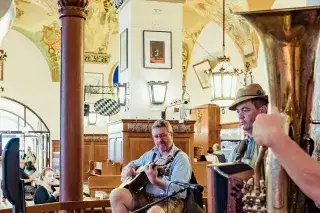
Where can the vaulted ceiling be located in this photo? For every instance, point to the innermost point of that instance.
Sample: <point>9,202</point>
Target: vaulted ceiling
<point>39,21</point>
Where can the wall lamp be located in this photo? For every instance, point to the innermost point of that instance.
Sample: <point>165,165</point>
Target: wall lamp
<point>157,91</point>
<point>121,93</point>
<point>92,118</point>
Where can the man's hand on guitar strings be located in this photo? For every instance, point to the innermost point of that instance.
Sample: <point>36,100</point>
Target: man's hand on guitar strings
<point>152,173</point>
<point>127,172</point>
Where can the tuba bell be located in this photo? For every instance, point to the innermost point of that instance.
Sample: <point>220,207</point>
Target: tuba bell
<point>290,38</point>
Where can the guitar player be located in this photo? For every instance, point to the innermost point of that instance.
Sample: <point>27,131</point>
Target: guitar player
<point>123,200</point>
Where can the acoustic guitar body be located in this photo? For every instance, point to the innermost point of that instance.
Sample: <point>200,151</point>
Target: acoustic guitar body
<point>138,182</point>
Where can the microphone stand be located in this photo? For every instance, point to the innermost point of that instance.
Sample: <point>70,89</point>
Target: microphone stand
<point>159,201</point>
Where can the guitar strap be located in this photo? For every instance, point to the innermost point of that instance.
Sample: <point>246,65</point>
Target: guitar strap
<point>154,157</point>
<point>174,155</point>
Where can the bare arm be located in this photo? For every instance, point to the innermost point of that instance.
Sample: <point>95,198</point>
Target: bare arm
<point>302,169</point>
<point>28,180</point>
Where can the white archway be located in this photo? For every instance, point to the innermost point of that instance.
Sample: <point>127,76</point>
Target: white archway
<point>19,121</point>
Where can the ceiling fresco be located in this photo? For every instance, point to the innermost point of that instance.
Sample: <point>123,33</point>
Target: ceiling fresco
<point>237,28</point>
<point>39,21</point>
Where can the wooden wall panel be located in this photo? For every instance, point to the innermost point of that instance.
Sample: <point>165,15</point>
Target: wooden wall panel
<point>207,126</point>
<point>55,146</point>
<point>183,144</point>
<point>87,156</point>
<point>95,149</point>
<point>138,146</point>
<point>100,150</point>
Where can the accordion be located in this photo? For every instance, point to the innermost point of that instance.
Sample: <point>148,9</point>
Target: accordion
<point>225,182</point>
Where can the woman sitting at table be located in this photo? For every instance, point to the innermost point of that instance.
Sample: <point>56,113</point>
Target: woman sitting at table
<point>46,193</point>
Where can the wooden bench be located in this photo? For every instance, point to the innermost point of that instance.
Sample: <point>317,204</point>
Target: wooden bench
<point>105,183</point>
<point>103,168</point>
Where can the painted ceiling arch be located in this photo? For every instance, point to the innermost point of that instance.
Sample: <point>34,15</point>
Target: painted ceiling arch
<point>39,21</point>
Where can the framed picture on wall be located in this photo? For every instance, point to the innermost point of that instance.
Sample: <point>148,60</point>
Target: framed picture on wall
<point>157,49</point>
<point>95,80</point>
<point>124,50</point>
<point>204,78</point>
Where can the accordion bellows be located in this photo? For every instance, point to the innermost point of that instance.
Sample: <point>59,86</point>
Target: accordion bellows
<point>225,182</point>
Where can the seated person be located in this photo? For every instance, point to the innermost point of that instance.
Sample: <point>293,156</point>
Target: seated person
<point>123,200</point>
<point>29,156</point>
<point>210,157</point>
<point>219,156</point>
<point>202,158</point>
<point>29,169</point>
<point>46,193</point>
<point>215,155</point>
<point>25,177</point>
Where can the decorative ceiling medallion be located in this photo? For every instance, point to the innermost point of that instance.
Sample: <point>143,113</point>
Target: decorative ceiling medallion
<point>97,58</point>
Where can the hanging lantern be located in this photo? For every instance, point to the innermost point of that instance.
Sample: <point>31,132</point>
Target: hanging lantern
<point>223,76</point>
<point>223,81</point>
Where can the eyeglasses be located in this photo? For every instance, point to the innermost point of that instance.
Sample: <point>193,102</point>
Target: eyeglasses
<point>160,136</point>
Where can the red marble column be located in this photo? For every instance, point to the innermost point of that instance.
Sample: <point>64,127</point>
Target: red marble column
<point>72,15</point>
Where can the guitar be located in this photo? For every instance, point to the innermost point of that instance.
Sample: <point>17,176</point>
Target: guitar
<point>138,182</point>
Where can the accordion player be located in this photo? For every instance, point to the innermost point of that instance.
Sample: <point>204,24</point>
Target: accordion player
<point>224,187</point>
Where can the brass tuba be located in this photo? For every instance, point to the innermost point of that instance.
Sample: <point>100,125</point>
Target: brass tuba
<point>290,38</point>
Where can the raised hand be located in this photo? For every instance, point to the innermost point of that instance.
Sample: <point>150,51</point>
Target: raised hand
<point>152,173</point>
<point>267,126</point>
<point>56,193</point>
<point>127,172</point>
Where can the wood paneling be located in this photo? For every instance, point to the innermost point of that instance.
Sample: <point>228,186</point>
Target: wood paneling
<point>200,172</point>
<point>232,125</point>
<point>55,146</point>
<point>95,149</point>
<point>129,139</point>
<point>207,126</point>
<point>103,183</point>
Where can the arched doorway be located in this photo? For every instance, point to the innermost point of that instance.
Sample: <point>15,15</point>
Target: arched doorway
<point>18,120</point>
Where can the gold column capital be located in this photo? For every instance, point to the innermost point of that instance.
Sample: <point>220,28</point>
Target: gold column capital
<point>75,8</point>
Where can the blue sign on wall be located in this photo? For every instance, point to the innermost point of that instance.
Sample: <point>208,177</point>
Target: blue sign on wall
<point>115,78</point>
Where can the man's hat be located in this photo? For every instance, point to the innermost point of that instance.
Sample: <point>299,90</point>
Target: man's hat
<point>252,91</point>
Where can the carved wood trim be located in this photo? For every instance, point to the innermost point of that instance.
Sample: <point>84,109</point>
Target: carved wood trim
<point>95,138</point>
<point>147,127</point>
